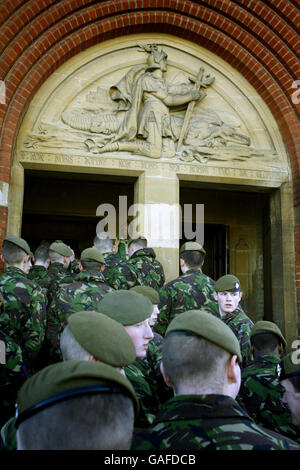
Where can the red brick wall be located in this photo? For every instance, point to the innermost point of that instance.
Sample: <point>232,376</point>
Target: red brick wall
<point>259,38</point>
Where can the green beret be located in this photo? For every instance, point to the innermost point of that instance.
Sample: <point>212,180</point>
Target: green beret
<point>126,307</point>
<point>227,283</point>
<point>61,248</point>
<point>103,337</point>
<point>148,291</point>
<point>69,379</point>
<point>289,366</point>
<point>206,325</point>
<point>92,254</point>
<point>20,242</point>
<point>192,246</point>
<point>262,327</point>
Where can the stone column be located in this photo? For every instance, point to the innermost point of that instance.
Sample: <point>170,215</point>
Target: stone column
<point>157,200</point>
<point>15,200</point>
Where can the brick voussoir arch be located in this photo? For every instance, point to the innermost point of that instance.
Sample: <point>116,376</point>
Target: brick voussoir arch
<point>230,50</point>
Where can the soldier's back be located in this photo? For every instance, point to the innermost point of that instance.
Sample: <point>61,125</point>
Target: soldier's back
<point>149,271</point>
<point>190,291</point>
<point>207,422</point>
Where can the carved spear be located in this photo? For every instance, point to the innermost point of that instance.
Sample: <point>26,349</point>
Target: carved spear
<point>198,84</point>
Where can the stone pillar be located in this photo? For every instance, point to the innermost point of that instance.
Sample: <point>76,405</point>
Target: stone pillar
<point>157,200</point>
<point>15,200</point>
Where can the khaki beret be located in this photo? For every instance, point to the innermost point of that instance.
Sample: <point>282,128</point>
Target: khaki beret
<point>192,246</point>
<point>206,325</point>
<point>227,283</point>
<point>92,254</point>
<point>262,327</point>
<point>20,242</point>
<point>148,291</point>
<point>289,366</point>
<point>103,337</point>
<point>126,307</point>
<point>68,379</point>
<point>61,248</point>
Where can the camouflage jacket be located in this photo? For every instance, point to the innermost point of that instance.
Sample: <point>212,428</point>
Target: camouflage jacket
<point>84,293</point>
<point>147,400</point>
<point>57,274</point>
<point>148,270</point>
<point>261,396</point>
<point>111,268</point>
<point>24,316</point>
<point>210,422</point>
<point>192,290</point>
<point>39,274</point>
<point>13,373</point>
<point>241,326</point>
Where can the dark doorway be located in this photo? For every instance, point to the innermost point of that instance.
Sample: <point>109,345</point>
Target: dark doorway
<point>63,206</point>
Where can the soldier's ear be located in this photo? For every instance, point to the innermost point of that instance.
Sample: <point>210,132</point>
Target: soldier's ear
<point>102,268</point>
<point>165,375</point>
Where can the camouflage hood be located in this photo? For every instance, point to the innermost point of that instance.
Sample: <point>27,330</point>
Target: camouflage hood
<point>149,252</point>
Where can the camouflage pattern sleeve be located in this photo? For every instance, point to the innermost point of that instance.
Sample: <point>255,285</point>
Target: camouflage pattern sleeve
<point>241,325</point>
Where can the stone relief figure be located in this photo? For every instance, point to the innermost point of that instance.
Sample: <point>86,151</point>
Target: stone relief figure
<point>146,115</point>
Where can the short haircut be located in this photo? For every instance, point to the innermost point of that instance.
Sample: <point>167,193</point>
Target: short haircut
<point>55,257</point>
<point>90,265</point>
<point>138,243</point>
<point>105,245</point>
<point>265,342</point>
<point>100,421</point>
<point>41,253</point>
<point>12,254</point>
<point>70,348</point>
<point>186,357</point>
<point>194,259</point>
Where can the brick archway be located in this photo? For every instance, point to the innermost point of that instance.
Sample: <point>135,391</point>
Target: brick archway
<point>259,39</point>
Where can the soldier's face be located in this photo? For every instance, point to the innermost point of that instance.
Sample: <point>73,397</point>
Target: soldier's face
<point>227,301</point>
<point>292,400</point>
<point>141,334</point>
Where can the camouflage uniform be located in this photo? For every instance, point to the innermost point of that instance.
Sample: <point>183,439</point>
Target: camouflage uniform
<point>12,375</point>
<point>84,293</point>
<point>148,270</point>
<point>24,316</point>
<point>39,274</point>
<point>111,268</point>
<point>241,326</point>
<point>210,422</point>
<point>261,396</point>
<point>191,291</point>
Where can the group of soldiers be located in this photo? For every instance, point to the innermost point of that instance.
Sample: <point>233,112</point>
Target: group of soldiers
<point>102,353</point>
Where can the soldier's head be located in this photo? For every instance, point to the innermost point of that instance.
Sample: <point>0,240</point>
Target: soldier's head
<point>136,244</point>
<point>91,259</point>
<point>289,376</point>
<point>201,355</point>
<point>41,255</point>
<point>133,311</point>
<point>61,253</point>
<point>93,336</point>
<point>266,338</point>
<point>191,256</point>
<point>104,243</point>
<point>228,294</point>
<point>153,296</point>
<point>16,252</point>
<point>72,405</point>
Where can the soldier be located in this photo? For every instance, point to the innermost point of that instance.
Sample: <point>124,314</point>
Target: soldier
<point>289,376</point>
<point>106,246</point>
<point>85,292</point>
<point>192,290</point>
<point>149,271</point>
<point>38,272</point>
<point>76,405</point>
<point>227,296</point>
<point>150,366</point>
<point>201,357</point>
<point>60,257</point>
<point>260,393</point>
<point>133,310</point>
<point>24,317</point>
